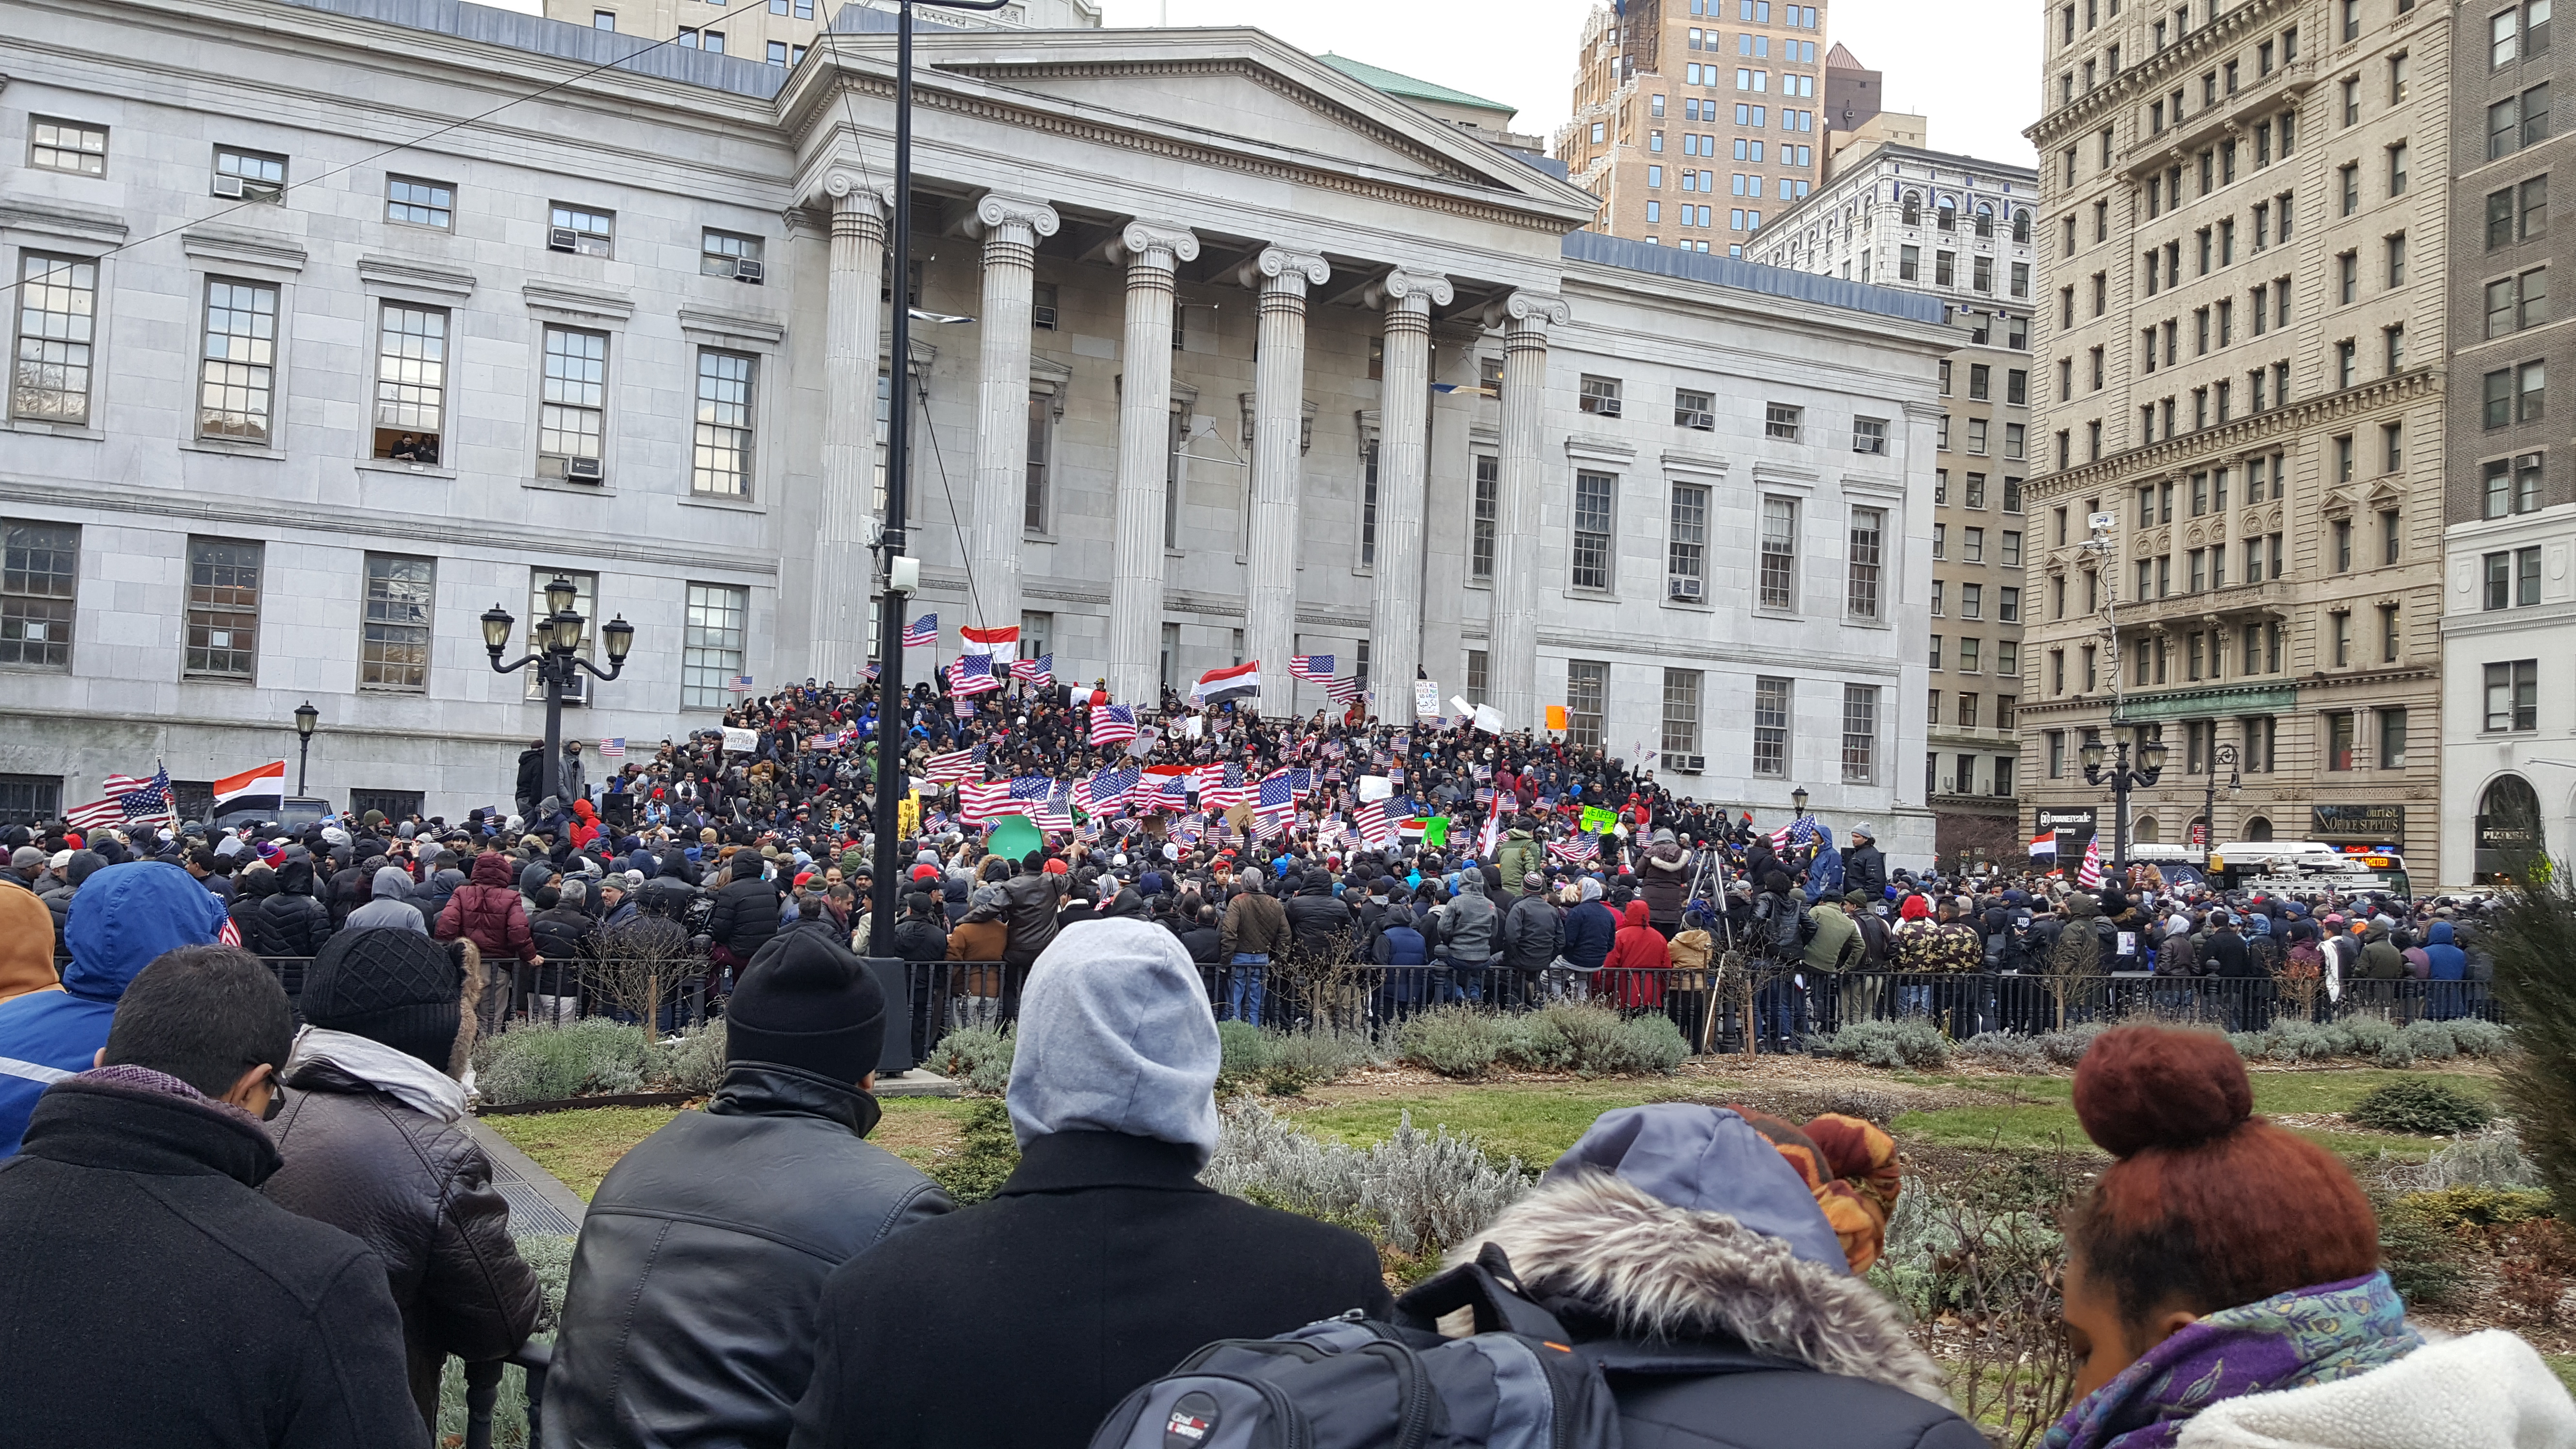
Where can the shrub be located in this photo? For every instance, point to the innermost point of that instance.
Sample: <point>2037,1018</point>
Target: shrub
<point>2421,1106</point>
<point>1594,1041</point>
<point>976,1057</point>
<point>2429,1041</point>
<point>2009,1050</point>
<point>2531,941</point>
<point>2475,1038</point>
<point>545,1063</point>
<point>985,1154</point>
<point>1301,1059</point>
<point>693,1061</point>
<point>2458,1207</point>
<point>2067,1045</point>
<point>1904,1042</point>
<point>1600,1042</point>
<point>1415,1192</point>
<point>1452,1041</point>
<point>2421,1259</point>
<point>1241,1050</point>
<point>2489,1159</point>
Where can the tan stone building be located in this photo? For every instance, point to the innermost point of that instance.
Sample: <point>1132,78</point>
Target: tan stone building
<point>2241,341</point>
<point>1695,121</point>
<point>781,31</point>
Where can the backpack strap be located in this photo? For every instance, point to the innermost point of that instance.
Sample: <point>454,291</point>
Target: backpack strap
<point>1489,1286</point>
<point>1681,1360</point>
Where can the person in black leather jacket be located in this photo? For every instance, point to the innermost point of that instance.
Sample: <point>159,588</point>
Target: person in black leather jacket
<point>1865,866</point>
<point>690,1317</point>
<point>374,1140</point>
<point>746,913</point>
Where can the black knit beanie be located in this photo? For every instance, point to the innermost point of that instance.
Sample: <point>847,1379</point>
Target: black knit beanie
<point>805,1001</point>
<point>392,986</point>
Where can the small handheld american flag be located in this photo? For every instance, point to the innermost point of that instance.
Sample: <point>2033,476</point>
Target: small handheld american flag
<point>1313,668</point>
<point>1113,724</point>
<point>921,633</point>
<point>613,749</point>
<point>1038,673</point>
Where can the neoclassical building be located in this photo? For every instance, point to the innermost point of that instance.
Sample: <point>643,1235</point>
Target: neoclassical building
<point>340,321</point>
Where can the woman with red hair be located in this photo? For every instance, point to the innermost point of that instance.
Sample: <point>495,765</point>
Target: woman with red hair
<point>2223,1285</point>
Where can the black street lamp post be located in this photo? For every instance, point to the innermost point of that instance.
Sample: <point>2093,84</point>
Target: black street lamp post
<point>558,654</point>
<point>2120,777</point>
<point>2224,755</point>
<point>306,717</point>
<point>1798,801</point>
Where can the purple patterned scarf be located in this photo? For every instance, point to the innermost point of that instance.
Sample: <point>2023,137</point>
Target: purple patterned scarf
<point>127,1077</point>
<point>2305,1336</point>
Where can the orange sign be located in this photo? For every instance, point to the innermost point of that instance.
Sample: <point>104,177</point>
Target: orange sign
<point>1556,716</point>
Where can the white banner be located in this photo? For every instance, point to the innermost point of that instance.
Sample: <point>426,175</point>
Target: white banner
<point>740,740</point>
<point>1426,698</point>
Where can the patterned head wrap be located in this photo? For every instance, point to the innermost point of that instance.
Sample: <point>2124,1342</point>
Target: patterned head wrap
<point>1850,1166</point>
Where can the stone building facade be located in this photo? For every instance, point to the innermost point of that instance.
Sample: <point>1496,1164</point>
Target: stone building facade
<point>2241,348</point>
<point>1335,379</point>
<point>1958,229</point>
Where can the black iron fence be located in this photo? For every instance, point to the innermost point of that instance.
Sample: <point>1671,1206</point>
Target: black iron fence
<point>1715,1011</point>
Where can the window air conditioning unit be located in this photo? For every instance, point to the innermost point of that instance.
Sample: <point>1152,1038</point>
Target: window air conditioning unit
<point>587,469</point>
<point>1690,764</point>
<point>1042,316</point>
<point>1704,422</point>
<point>1607,407</point>
<point>747,270</point>
<point>228,186</point>
<point>1686,588</point>
<point>562,239</point>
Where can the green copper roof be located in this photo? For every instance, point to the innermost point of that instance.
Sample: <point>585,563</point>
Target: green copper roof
<point>1406,87</point>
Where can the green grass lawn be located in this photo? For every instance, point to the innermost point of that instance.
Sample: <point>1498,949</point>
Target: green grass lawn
<point>579,1147</point>
<point>2563,1365</point>
<point>2047,1118</point>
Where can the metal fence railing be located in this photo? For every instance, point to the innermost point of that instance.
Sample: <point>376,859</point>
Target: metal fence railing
<point>1714,1012</point>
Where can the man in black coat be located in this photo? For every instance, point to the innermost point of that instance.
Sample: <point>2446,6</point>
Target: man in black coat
<point>690,1314</point>
<point>1321,922</point>
<point>1103,1260</point>
<point>1864,867</point>
<point>746,913</point>
<point>148,1294</point>
<point>532,779</point>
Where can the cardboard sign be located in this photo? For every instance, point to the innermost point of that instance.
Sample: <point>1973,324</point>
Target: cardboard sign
<point>1376,787</point>
<point>1597,820</point>
<point>1556,716</point>
<point>740,740</point>
<point>1489,719</point>
<point>1426,698</point>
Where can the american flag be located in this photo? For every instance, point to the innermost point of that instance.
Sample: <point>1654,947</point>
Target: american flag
<point>978,803</point>
<point>1575,851</point>
<point>1313,668</point>
<point>1113,724</point>
<point>922,632</point>
<point>935,820</point>
<point>871,673</point>
<point>966,706</point>
<point>972,674</point>
<point>142,799</point>
<point>1277,790</point>
<point>1106,788</point>
<point>1031,787</point>
<point>1301,783</point>
<point>1182,832</point>
<point>1038,673</point>
<point>2090,874</point>
<point>1089,832</point>
<point>95,814</point>
<point>1343,691</point>
<point>613,749</point>
<point>1370,819</point>
<point>1331,833</point>
<point>1170,792</point>
<point>1271,824</point>
<point>956,764</point>
<point>1052,816</point>
<point>741,684</point>
<point>1398,806</point>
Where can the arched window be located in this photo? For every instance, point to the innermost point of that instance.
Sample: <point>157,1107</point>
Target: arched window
<point>2509,829</point>
<point>2145,831</point>
<point>1913,214</point>
<point>2021,225</point>
<point>1985,220</point>
<point>2258,828</point>
<point>1949,214</point>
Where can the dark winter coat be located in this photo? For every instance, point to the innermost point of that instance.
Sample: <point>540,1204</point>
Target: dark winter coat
<point>1533,932</point>
<point>2225,954</point>
<point>1590,930</point>
<point>920,939</point>
<point>1318,920</point>
<point>563,935</point>
<point>1255,925</point>
<point>1663,878</point>
<point>418,1192</point>
<point>1865,869</point>
<point>746,916</point>
<point>487,911</point>
<point>1100,1264</point>
<point>1029,904</point>
<point>690,1318</point>
<point>146,1285</point>
<point>532,776</point>
<point>291,921</point>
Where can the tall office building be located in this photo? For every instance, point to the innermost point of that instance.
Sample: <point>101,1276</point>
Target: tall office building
<point>781,31</point>
<point>2241,340</point>
<point>1853,92</point>
<point>1960,229</point>
<point>1694,120</point>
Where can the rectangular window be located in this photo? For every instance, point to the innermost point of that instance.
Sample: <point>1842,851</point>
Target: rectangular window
<point>1368,501</point>
<point>1860,734</point>
<point>1779,553</point>
<point>1693,410</point>
<point>1770,727</point>
<point>711,647</point>
<point>49,373</point>
<point>581,229</point>
<point>71,146</point>
<point>237,376</point>
<point>1478,676</point>
<point>2498,568</point>
<point>411,383</point>
<point>2339,739</point>
<point>1480,548</point>
<point>2513,695</point>
<point>2392,739</point>
<point>720,464</point>
<point>223,608</point>
<point>1780,420</point>
<point>1600,396</point>
<point>1587,683</point>
<point>1869,435</point>
<point>393,650</point>
<point>1687,554</point>
<point>1868,534</point>
<point>1681,713</point>
<point>248,175</point>
<point>30,799</point>
<point>1972,545</point>
<point>730,254</point>
<point>1595,500</point>
<point>39,589</point>
<point>2526,576</point>
<point>413,202</point>
<point>572,419</point>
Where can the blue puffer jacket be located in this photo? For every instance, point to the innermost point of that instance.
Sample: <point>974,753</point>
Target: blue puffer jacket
<point>1590,930</point>
<point>122,918</point>
<point>2450,963</point>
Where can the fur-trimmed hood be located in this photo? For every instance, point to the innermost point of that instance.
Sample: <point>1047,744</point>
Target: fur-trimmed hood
<point>1656,1272</point>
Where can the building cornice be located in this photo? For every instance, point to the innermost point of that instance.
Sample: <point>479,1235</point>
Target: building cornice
<point>2179,454</point>
<point>2151,73</point>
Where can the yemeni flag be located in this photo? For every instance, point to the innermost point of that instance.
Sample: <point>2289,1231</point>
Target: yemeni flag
<point>1217,686</point>
<point>1002,644</point>
<point>261,788</point>
<point>2044,843</point>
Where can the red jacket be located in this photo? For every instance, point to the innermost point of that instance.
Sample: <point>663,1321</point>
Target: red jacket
<point>1639,952</point>
<point>488,912</point>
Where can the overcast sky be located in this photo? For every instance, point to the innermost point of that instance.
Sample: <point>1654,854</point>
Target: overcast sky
<point>1979,83</point>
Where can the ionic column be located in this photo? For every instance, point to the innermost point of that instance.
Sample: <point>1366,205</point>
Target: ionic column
<point>1010,227</point>
<point>1144,456</point>
<point>837,601</point>
<point>1278,426</point>
<point>1403,465</point>
<point>1512,663</point>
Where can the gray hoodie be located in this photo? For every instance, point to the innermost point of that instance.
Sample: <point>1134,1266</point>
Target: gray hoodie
<point>1116,1035</point>
<point>1469,923</point>
<point>391,907</point>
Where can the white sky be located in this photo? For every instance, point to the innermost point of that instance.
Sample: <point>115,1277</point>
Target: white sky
<point>1978,82</point>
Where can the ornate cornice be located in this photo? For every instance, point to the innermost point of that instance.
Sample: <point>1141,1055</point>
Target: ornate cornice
<point>2151,73</point>
<point>2170,455</point>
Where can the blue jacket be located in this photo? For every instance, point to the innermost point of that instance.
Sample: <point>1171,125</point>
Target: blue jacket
<point>1590,930</point>
<point>2450,963</point>
<point>123,918</point>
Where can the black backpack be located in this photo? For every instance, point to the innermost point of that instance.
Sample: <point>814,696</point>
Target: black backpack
<point>1352,1383</point>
